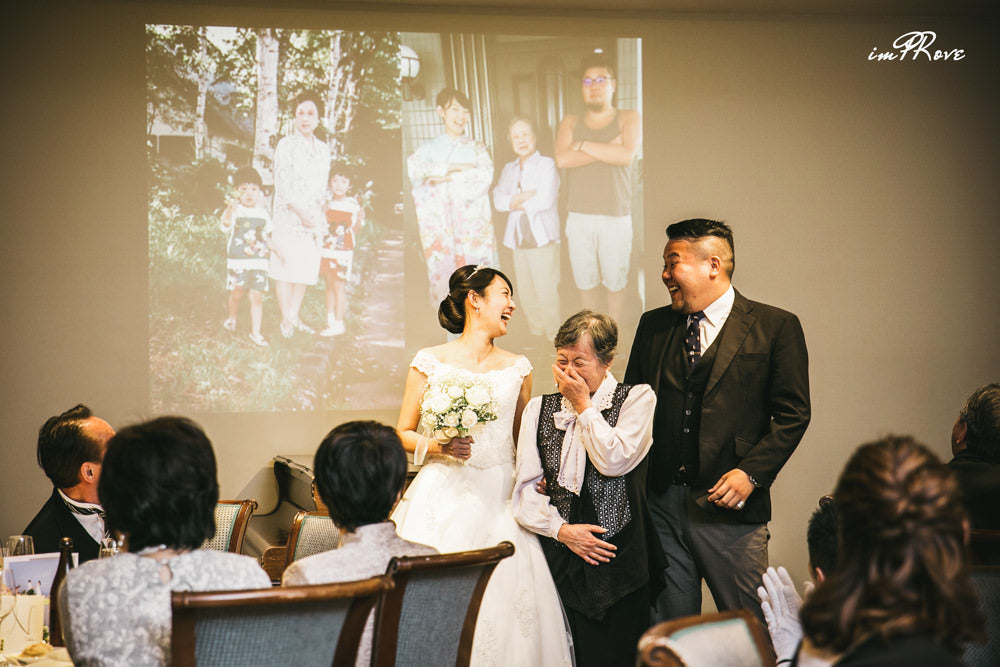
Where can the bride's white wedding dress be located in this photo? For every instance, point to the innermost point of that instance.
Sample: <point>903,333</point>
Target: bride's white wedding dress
<point>455,506</point>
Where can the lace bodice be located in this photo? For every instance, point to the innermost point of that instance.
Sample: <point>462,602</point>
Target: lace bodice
<point>494,441</point>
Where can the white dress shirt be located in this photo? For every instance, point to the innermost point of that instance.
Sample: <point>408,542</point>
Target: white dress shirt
<point>614,451</point>
<point>716,315</point>
<point>92,523</point>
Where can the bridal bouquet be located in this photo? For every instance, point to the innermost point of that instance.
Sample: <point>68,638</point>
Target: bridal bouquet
<point>454,404</point>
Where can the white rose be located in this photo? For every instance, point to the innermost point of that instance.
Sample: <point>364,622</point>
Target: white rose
<point>439,403</point>
<point>477,395</point>
<point>441,436</point>
<point>455,391</point>
<point>451,433</point>
<point>451,419</point>
<point>469,419</point>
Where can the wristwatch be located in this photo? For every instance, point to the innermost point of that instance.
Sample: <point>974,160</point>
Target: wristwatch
<point>753,480</point>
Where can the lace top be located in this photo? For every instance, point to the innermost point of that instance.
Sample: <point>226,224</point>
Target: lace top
<point>116,611</point>
<point>493,442</point>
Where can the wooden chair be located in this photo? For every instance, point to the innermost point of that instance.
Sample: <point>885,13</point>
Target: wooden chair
<point>312,533</point>
<point>429,616</point>
<point>231,519</point>
<point>302,625</point>
<point>722,639</point>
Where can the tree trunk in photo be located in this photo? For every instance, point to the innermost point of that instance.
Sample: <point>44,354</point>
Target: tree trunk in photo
<point>333,92</point>
<point>202,70</point>
<point>266,122</point>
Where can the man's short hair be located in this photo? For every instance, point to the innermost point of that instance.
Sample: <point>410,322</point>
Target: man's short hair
<point>696,229</point>
<point>981,415</point>
<point>592,60</point>
<point>446,95</point>
<point>64,446</point>
<point>821,536</point>
<point>158,484</point>
<point>360,470</point>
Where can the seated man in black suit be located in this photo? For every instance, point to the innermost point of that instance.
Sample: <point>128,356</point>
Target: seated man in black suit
<point>975,442</point>
<point>70,450</point>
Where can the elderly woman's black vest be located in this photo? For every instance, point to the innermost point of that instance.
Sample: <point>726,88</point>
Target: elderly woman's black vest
<point>615,503</point>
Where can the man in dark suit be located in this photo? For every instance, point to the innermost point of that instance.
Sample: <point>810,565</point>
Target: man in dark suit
<point>732,384</point>
<point>975,442</point>
<point>70,450</point>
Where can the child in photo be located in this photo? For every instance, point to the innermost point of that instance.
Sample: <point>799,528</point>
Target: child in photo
<point>249,229</point>
<point>344,219</point>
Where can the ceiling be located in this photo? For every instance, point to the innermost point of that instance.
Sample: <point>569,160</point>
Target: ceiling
<point>649,8</point>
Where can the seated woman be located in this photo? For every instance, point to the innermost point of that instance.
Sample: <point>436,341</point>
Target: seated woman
<point>587,446</point>
<point>158,487</point>
<point>360,470</point>
<point>900,593</point>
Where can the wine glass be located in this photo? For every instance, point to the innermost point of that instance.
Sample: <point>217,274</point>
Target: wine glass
<point>110,547</point>
<point>20,545</point>
<point>7,599</point>
<point>3,570</point>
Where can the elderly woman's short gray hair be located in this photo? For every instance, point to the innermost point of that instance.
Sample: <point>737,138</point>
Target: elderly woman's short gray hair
<point>602,329</point>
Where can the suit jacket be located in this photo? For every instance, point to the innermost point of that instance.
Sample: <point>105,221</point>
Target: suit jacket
<point>979,481</point>
<point>54,522</point>
<point>755,407</point>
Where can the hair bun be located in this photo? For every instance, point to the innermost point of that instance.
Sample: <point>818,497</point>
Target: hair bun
<point>451,313</point>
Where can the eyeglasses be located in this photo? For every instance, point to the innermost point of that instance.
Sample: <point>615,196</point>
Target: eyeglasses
<point>600,80</point>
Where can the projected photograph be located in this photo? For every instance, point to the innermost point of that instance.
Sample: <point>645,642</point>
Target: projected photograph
<point>275,253</point>
<point>525,152</point>
<point>310,192</point>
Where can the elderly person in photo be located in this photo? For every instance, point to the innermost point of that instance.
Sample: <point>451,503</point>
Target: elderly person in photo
<point>581,485</point>
<point>528,191</point>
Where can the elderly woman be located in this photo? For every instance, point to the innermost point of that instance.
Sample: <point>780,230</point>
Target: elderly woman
<point>581,485</point>
<point>159,489</point>
<point>900,593</point>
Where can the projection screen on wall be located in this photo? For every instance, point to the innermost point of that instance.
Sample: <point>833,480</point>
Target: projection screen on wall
<point>297,237</point>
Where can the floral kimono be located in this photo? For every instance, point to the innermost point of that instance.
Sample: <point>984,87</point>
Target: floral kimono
<point>454,215</point>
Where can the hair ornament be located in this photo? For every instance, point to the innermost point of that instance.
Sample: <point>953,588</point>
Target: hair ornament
<point>478,267</point>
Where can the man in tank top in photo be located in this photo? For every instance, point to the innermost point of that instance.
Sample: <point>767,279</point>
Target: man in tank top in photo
<point>596,150</point>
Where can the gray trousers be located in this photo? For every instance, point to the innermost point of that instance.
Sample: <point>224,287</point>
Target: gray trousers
<point>730,557</point>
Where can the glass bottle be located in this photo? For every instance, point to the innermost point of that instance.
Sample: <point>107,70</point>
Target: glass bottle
<point>65,563</point>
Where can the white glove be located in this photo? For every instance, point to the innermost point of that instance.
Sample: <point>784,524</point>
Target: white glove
<point>780,603</point>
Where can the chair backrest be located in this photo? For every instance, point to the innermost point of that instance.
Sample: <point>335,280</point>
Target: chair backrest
<point>312,533</point>
<point>429,616</point>
<point>984,547</point>
<point>307,625</point>
<point>723,639</point>
<point>231,519</point>
<point>986,583</point>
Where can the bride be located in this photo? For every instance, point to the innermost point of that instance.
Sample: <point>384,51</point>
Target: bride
<point>460,499</point>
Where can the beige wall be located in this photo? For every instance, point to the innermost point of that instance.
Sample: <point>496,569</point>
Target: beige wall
<point>863,196</point>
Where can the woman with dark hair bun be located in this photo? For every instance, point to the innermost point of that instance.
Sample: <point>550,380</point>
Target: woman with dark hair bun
<point>900,593</point>
<point>460,499</point>
<point>159,489</point>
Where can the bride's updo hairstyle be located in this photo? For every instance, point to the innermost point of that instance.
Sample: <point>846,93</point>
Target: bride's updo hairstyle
<point>465,279</point>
